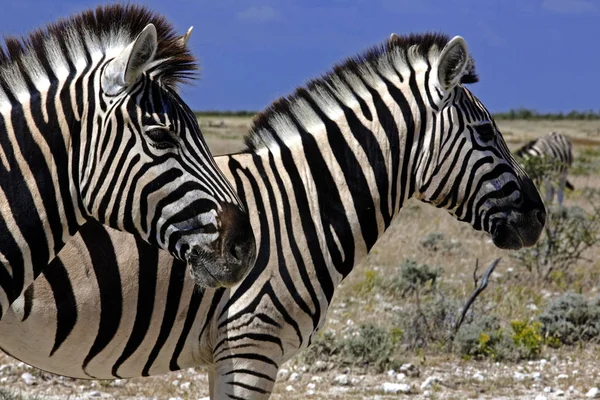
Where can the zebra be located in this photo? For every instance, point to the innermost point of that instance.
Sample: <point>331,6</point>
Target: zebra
<point>92,127</point>
<point>325,172</point>
<point>555,154</point>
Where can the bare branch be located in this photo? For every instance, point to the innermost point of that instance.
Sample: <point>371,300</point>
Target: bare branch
<point>476,292</point>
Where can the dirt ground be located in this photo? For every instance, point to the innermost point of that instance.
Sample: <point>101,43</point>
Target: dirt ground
<point>568,372</point>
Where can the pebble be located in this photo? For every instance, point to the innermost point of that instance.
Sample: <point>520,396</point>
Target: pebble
<point>478,376</point>
<point>294,377</point>
<point>311,386</point>
<point>185,386</point>
<point>400,376</point>
<point>429,381</point>
<point>548,389</point>
<point>283,374</point>
<point>540,397</point>
<point>289,388</point>
<point>562,376</point>
<point>28,378</point>
<point>410,370</point>
<point>393,388</point>
<point>95,393</point>
<point>593,393</point>
<point>559,393</point>
<point>341,380</point>
<point>319,366</point>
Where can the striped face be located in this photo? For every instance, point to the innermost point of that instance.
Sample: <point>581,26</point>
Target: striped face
<point>470,172</point>
<point>148,171</point>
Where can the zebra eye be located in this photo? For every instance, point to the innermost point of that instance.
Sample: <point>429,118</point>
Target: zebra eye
<point>161,138</point>
<point>486,132</point>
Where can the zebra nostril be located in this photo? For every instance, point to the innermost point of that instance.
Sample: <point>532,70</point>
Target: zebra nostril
<point>541,216</point>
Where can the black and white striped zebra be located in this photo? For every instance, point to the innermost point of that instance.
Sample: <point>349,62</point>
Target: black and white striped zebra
<point>326,171</point>
<point>91,127</point>
<point>555,155</point>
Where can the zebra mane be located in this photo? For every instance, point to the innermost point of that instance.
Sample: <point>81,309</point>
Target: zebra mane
<point>70,42</point>
<point>398,49</point>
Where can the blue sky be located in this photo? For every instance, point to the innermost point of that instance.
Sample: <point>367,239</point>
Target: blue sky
<point>541,54</point>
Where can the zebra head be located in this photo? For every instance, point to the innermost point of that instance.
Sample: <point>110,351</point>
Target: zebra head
<point>470,171</point>
<point>147,169</point>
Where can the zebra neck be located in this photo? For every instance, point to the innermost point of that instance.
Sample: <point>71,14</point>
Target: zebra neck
<point>38,211</point>
<point>330,193</point>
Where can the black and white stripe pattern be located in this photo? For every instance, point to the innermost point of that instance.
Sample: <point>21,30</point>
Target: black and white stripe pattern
<point>326,171</point>
<point>555,153</point>
<point>91,127</point>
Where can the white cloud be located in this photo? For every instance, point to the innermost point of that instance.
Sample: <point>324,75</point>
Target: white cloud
<point>569,6</point>
<point>259,14</point>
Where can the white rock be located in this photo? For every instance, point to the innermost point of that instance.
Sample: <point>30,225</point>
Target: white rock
<point>391,373</point>
<point>310,392</point>
<point>319,366</point>
<point>179,376</point>
<point>427,393</point>
<point>575,372</point>
<point>175,398</point>
<point>540,397</point>
<point>295,376</point>
<point>520,376</point>
<point>536,375</point>
<point>355,380</point>
<point>571,389</point>
<point>341,380</point>
<point>593,393</point>
<point>118,383</point>
<point>204,398</point>
<point>311,385</point>
<point>28,378</point>
<point>283,374</point>
<point>400,376</point>
<point>289,388</point>
<point>429,381</point>
<point>393,388</point>
<point>410,370</point>
<point>95,393</point>
<point>175,383</point>
<point>562,376</point>
<point>532,307</point>
<point>317,379</point>
<point>185,386</point>
<point>548,389</point>
<point>478,376</point>
<point>559,393</point>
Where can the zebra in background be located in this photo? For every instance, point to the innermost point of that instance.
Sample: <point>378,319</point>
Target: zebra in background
<point>325,173</point>
<point>550,157</point>
<point>91,127</point>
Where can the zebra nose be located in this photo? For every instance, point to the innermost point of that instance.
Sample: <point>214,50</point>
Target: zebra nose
<point>541,216</point>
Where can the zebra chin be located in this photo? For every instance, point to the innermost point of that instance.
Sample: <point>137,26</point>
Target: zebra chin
<point>228,259</point>
<point>211,270</point>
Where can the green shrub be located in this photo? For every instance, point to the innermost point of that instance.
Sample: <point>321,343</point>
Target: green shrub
<point>569,232</point>
<point>570,318</point>
<point>370,347</point>
<point>527,337</point>
<point>437,242</point>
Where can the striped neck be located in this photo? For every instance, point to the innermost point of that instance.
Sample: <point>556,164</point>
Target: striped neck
<point>40,210</point>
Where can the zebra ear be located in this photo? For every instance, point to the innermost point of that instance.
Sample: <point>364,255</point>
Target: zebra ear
<point>126,68</point>
<point>453,63</point>
<point>182,41</point>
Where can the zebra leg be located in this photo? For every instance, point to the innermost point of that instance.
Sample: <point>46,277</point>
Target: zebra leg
<point>549,192</point>
<point>562,183</point>
<point>243,378</point>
